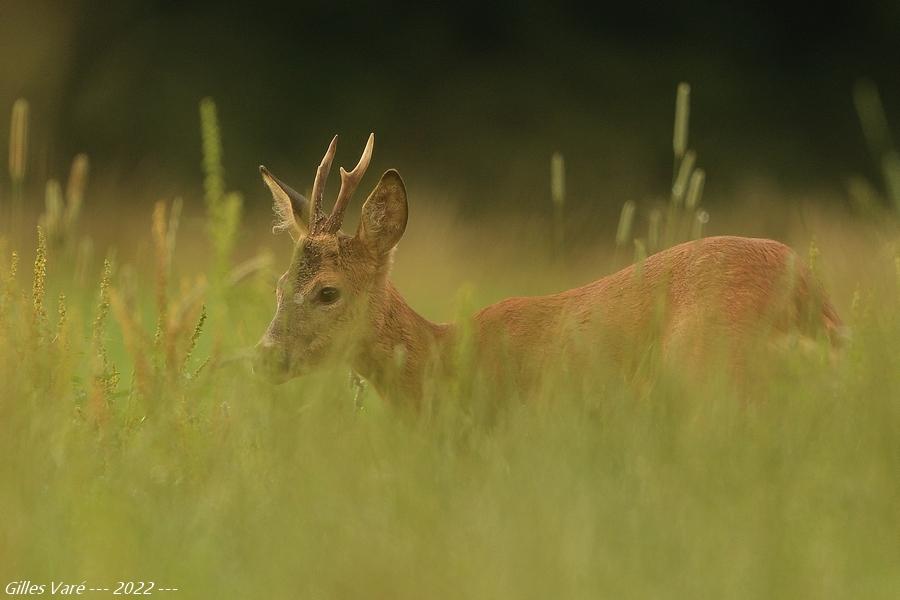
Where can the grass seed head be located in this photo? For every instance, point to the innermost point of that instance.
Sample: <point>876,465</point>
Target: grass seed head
<point>681,180</point>
<point>640,255</point>
<point>13,268</point>
<point>558,179</point>
<point>106,376</point>
<point>192,345</point>
<point>61,314</point>
<point>558,196</point>
<point>75,187</point>
<point>18,141</point>
<point>695,189</point>
<point>52,219</point>
<point>223,210</point>
<point>99,326</point>
<point>214,176</point>
<point>682,120</point>
<point>161,253</point>
<point>626,220</point>
<point>172,229</point>
<point>39,281</point>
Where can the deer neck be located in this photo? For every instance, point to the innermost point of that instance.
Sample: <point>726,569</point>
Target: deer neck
<point>401,348</point>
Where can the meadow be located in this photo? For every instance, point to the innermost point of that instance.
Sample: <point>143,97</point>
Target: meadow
<point>136,444</point>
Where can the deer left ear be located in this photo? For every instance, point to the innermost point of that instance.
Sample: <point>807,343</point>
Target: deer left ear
<point>291,208</point>
<point>384,215</point>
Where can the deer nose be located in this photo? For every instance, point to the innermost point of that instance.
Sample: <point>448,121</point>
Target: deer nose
<point>271,359</point>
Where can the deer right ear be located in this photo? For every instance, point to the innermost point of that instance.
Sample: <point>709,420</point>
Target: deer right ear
<point>291,208</point>
<point>384,214</point>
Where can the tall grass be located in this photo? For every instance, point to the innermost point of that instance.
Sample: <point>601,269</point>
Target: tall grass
<point>223,208</point>
<point>131,449</point>
<point>874,122</point>
<point>558,196</point>
<point>18,158</point>
<point>682,218</point>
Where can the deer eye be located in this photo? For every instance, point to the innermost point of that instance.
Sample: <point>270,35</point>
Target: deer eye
<point>329,295</point>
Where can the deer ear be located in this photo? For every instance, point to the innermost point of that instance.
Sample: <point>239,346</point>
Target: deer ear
<point>291,208</point>
<point>384,214</point>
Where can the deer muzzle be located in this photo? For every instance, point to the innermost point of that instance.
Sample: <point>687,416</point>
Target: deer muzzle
<point>272,360</point>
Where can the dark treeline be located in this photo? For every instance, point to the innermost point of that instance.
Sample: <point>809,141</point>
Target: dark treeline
<point>468,97</point>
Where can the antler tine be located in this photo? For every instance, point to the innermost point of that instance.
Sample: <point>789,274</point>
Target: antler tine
<point>349,183</point>
<point>318,190</point>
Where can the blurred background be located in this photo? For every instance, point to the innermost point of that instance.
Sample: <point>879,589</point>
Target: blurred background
<point>468,99</point>
<point>136,444</point>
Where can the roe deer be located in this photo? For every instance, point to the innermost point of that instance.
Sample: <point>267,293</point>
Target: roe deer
<point>336,302</point>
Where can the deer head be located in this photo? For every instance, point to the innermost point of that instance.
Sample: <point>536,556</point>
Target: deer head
<point>327,299</point>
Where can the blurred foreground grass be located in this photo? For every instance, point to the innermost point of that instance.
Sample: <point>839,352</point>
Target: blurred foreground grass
<point>226,487</point>
<point>129,453</point>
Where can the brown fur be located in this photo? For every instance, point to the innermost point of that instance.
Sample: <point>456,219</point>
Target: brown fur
<point>696,301</point>
<point>709,300</point>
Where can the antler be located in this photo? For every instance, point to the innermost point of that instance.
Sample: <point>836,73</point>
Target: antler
<point>318,223</point>
<point>349,183</point>
<point>318,190</point>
